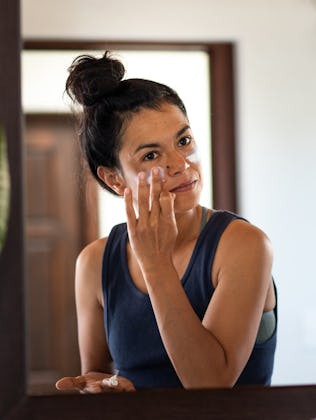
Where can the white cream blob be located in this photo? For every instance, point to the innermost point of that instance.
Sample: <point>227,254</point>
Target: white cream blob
<point>194,157</point>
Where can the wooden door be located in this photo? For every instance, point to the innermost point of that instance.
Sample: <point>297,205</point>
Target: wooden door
<point>55,212</point>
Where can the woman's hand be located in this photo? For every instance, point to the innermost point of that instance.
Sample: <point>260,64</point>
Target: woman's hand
<point>153,234</point>
<point>95,383</point>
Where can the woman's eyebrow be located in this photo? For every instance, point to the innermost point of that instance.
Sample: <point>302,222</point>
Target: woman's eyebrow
<point>146,146</point>
<point>157,145</point>
<point>183,130</point>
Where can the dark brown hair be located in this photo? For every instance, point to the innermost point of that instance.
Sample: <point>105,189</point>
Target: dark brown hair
<point>108,103</point>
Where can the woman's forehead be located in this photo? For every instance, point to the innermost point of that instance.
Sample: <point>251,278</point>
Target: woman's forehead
<point>152,125</point>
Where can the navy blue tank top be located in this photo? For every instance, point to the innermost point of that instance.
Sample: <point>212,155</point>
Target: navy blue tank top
<point>131,329</point>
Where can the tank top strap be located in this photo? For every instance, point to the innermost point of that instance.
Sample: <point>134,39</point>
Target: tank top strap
<point>204,218</point>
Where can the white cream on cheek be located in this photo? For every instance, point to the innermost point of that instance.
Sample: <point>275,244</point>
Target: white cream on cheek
<point>194,157</point>
<point>134,175</point>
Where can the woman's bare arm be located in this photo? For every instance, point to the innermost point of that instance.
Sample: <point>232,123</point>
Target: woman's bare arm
<point>212,353</point>
<point>94,353</point>
<point>96,369</point>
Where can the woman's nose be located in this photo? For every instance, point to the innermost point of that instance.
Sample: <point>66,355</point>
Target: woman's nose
<point>176,163</point>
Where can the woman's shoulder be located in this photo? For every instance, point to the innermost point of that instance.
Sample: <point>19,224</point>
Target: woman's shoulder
<point>238,229</point>
<point>88,271</point>
<point>244,234</point>
<point>242,240</point>
<point>93,252</point>
<point>91,255</point>
<point>244,248</point>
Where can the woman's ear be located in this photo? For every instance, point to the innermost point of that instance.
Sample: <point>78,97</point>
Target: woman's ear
<point>112,178</point>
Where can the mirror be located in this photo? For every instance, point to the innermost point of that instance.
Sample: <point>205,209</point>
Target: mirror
<point>295,29</point>
<point>304,324</point>
<point>59,202</point>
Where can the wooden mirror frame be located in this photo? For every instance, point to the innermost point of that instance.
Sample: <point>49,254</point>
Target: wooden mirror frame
<point>297,402</point>
<point>222,98</point>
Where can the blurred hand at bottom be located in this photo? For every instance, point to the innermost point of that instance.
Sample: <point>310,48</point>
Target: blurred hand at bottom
<point>95,383</point>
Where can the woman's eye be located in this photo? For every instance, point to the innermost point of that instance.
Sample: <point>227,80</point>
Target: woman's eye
<point>184,141</point>
<point>150,156</point>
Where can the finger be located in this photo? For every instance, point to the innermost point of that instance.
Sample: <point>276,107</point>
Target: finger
<point>142,196</point>
<point>70,382</point>
<point>129,209</point>
<point>94,388</point>
<point>155,190</point>
<point>166,200</point>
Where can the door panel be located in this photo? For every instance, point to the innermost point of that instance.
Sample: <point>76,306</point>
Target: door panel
<point>55,215</point>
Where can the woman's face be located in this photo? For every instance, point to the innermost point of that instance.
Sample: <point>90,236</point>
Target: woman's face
<point>162,138</point>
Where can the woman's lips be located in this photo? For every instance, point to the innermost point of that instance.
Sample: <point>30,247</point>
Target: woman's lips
<point>184,187</point>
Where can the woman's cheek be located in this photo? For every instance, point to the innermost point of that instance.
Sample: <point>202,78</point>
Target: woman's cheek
<point>134,176</point>
<point>194,156</point>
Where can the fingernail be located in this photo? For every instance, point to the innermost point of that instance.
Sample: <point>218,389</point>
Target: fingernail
<point>156,171</point>
<point>161,172</point>
<point>142,176</point>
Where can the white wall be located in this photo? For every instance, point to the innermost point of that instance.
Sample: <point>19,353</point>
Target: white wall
<point>276,103</point>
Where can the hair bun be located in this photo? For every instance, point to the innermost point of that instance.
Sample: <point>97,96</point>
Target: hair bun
<point>91,79</point>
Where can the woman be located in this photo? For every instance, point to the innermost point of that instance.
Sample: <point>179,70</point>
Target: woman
<point>181,295</point>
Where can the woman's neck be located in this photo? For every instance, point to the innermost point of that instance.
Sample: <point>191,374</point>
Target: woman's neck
<point>188,224</point>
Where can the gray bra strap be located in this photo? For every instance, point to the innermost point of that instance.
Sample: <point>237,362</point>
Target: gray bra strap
<point>266,327</point>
